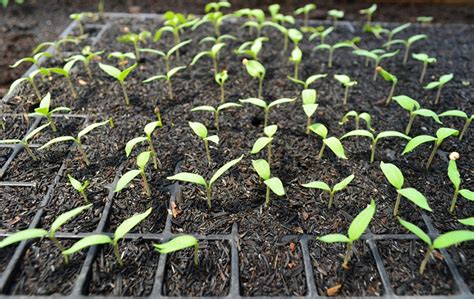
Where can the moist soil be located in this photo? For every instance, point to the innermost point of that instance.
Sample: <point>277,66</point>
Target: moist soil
<point>18,205</point>
<point>268,264</point>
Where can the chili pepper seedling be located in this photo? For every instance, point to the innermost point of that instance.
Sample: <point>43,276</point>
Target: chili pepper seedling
<point>80,187</point>
<point>122,57</point>
<point>442,241</point>
<point>278,17</point>
<point>321,34</point>
<point>388,77</point>
<point>425,59</point>
<point>167,56</point>
<point>272,183</point>
<point>251,48</point>
<point>213,53</point>
<point>407,43</point>
<point>266,107</point>
<point>256,70</point>
<point>217,110</point>
<point>142,161</point>
<point>175,23</point>
<point>216,6</point>
<point>310,80</point>
<point>148,129</point>
<point>461,114</point>
<point>439,84</point>
<point>424,20</point>
<point>296,57</point>
<point>120,76</point>
<point>216,18</point>
<point>369,13</point>
<point>356,229</point>
<point>455,178</point>
<point>347,83</point>
<point>57,44</point>
<point>375,57</point>
<point>201,131</point>
<point>167,78</point>
<point>79,18</point>
<point>135,39</point>
<point>217,40</point>
<point>331,49</point>
<point>336,188</point>
<point>86,57</point>
<point>44,111</point>
<point>65,71</point>
<point>25,142</point>
<point>413,107</point>
<point>309,97</point>
<point>265,141</point>
<point>31,79</point>
<point>199,180</point>
<point>179,243</point>
<point>335,15</point>
<point>305,10</point>
<point>357,116</point>
<point>122,230</point>
<point>333,143</point>
<point>35,59</point>
<point>257,21</point>
<point>283,30</point>
<point>220,79</point>
<point>394,31</point>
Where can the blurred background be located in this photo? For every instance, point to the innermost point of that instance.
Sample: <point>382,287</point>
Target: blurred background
<point>26,25</point>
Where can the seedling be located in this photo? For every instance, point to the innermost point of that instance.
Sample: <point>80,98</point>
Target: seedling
<point>220,79</point>
<point>175,23</point>
<point>120,76</point>
<point>331,49</point>
<point>122,230</point>
<point>77,140</point>
<point>142,161</point>
<point>369,13</point>
<point>216,110</point>
<point>356,229</point>
<point>65,71</point>
<point>310,80</point>
<point>388,77</point>
<point>394,31</point>
<point>296,56</point>
<point>375,57</point>
<point>201,131</point>
<point>455,178</point>
<point>135,39</point>
<point>266,108</point>
<point>167,56</point>
<point>375,138</point>
<point>26,141</point>
<point>321,34</point>
<point>467,221</point>
<point>273,183</point>
<point>439,84</point>
<point>79,18</point>
<point>407,43</point>
<point>424,20</point>
<point>216,18</point>
<point>179,243</point>
<point>336,188</point>
<point>57,44</point>
<point>80,187</point>
<point>265,141</point>
<point>44,111</point>
<point>283,30</point>
<point>357,116</point>
<point>461,114</point>
<point>213,53</point>
<point>335,15</point>
<point>33,233</point>
<point>305,10</point>
<point>309,97</point>
<point>413,107</point>
<point>5,2</point>
<point>216,40</point>
<point>333,143</point>
<point>251,48</point>
<point>347,83</point>
<point>279,18</point>
<point>148,129</point>
<point>257,20</point>
<point>256,70</point>
<point>31,79</point>
<point>122,57</point>
<point>86,58</point>
<point>35,59</point>
<point>167,78</point>
<point>199,180</point>
<point>442,241</point>
<point>425,59</point>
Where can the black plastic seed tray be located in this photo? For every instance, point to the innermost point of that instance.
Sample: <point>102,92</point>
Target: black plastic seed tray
<point>84,277</point>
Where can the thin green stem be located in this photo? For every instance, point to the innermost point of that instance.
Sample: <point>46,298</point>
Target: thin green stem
<point>438,94</point>
<point>296,71</point>
<point>170,89</point>
<point>35,88</point>
<point>423,71</point>
<point>425,260</point>
<point>347,256</point>
<point>222,93</point>
<point>397,204</point>
<point>214,61</point>
<point>308,124</point>
<point>154,155</point>
<point>60,247</point>
<point>265,118</point>
<point>453,201</point>
<point>464,129</point>
<point>145,183</point>
<point>117,254</point>
<point>83,153</point>
<point>405,57</point>
<point>390,95</point>
<point>208,153</point>
<point>84,196</point>
<point>88,71</point>
<point>267,197</point>
<point>330,58</point>
<point>196,255</point>
<point>29,151</point>
<point>331,199</point>
<point>260,87</point>
<point>71,86</point>
<point>346,95</point>
<point>217,120</point>
<point>433,153</point>
<point>124,91</point>
<point>410,123</point>
<point>270,153</point>
<point>321,151</point>
<point>372,150</point>
<point>209,196</point>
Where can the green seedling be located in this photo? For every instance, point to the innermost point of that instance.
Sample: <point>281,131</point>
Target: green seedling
<point>256,70</point>
<point>179,243</point>
<point>374,138</point>
<point>199,180</point>
<point>331,49</point>
<point>216,6</point>
<point>305,10</point>
<point>25,142</point>
<point>461,114</point>
<point>278,17</point>
<point>148,129</point>
<point>216,18</point>
<point>217,40</point>
<point>122,230</point>
<point>358,116</point>
<point>442,241</point>
<point>251,48</point>
<point>65,71</point>
<point>5,2</point>
<point>441,135</point>
<point>467,221</point>
<point>296,56</point>
<point>407,43</point>
<point>395,31</point>
<point>310,80</point>
<point>273,183</point>
<point>424,20</point>
<point>265,141</point>
<point>266,107</point>
<point>201,131</point>
<point>369,12</point>
<point>321,34</point>
<point>167,56</point>
<point>347,83</point>
<point>425,59</point>
<point>220,79</point>
<point>135,39</point>
<point>79,18</point>
<point>167,78</point>
<point>439,85</point>
<point>77,139</point>
<point>455,178</point>
<point>30,78</point>
<point>356,229</point>
<point>375,57</point>
<point>217,110</point>
<point>413,107</point>
<point>120,76</point>
<point>388,77</point>
<point>35,59</point>
<point>80,187</point>
<point>86,57</point>
<point>56,44</point>
<point>34,233</point>
<point>44,111</point>
<point>335,15</point>
<point>337,187</point>
<point>213,53</point>
<point>257,21</point>
<point>122,57</point>
<point>333,143</point>
<point>309,97</point>
<point>283,30</point>
<point>124,181</point>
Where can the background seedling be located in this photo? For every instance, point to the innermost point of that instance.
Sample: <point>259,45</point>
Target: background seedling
<point>179,243</point>
<point>357,116</point>
<point>148,129</point>
<point>413,107</point>
<point>455,178</point>
<point>278,17</point>
<point>167,78</point>
<point>439,84</point>
<point>35,59</point>
<point>331,49</point>
<point>251,48</point>
<point>142,161</point>
<point>86,57</point>
<point>296,57</point>
<point>216,6</point>
<point>120,76</point>
<point>175,23</point>
<point>135,39</point>
<point>347,83</point>
<point>262,104</point>
<point>322,34</point>
<point>26,141</point>
<point>369,13</point>
<point>273,183</point>
<point>31,79</point>
<point>333,143</point>
<point>257,22</point>
<point>65,71</point>
<point>201,131</point>
<point>213,53</point>
<point>216,40</point>
<point>425,59</point>
<point>461,114</point>
<point>388,77</point>
<point>216,110</point>
<point>309,97</point>
<point>80,187</point>
<point>424,20</point>
<point>310,80</point>
<point>199,180</point>
<point>407,43</point>
<point>283,30</point>
<point>375,57</point>
<point>265,141</point>
<point>335,15</point>
<point>216,18</point>
<point>56,45</point>
<point>323,186</point>
<point>394,31</point>
<point>167,56</point>
<point>356,229</point>
<point>122,57</point>
<point>79,18</point>
<point>305,10</point>
<point>44,111</point>
<point>256,70</point>
<point>220,79</point>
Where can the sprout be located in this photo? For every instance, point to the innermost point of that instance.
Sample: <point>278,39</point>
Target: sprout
<point>461,114</point>
<point>148,129</point>
<point>266,108</point>
<point>394,31</point>
<point>77,140</point>
<point>439,84</point>
<point>455,178</point>
<point>407,43</point>
<point>424,19</point>
<point>35,59</point>
<point>251,48</point>
<point>122,57</point>
<point>256,70</point>
<point>309,97</point>
<point>388,77</point>
<point>56,44</point>
<point>305,11</point>
<point>426,60</point>
<point>266,141</point>
<point>296,56</point>
<point>213,53</point>
<point>257,22</point>
<point>79,17</point>
<point>216,18</point>
<point>375,138</point>
<point>167,56</point>
<point>142,161</point>
<point>279,18</point>
<point>413,107</point>
<point>285,31</point>
<point>217,40</point>
<point>216,110</point>
<point>167,78</point>
<point>441,134</point>
<point>356,229</point>
<point>335,15</point>
<point>201,131</point>
<point>80,187</point>
<point>33,233</point>
<point>44,111</point>
<point>119,75</point>
<point>369,12</point>
<point>86,58</point>
<point>273,183</point>
<point>375,57</point>
<point>308,81</point>
<point>216,6</point>
<point>135,40</point>
<point>333,143</point>
<point>321,34</point>
<point>331,49</point>
<point>337,187</point>
<point>346,82</point>
<point>199,180</point>
<point>357,116</point>
<point>179,243</point>
<point>31,79</point>
<point>26,141</point>
<point>442,241</point>
<point>122,230</point>
<point>65,71</point>
<point>220,79</point>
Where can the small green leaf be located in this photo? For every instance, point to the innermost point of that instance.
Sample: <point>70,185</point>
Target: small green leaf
<point>57,140</point>
<point>188,177</point>
<point>142,159</point>
<point>467,194</point>
<point>318,185</point>
<point>125,227</point>
<point>178,243</point>
<point>455,113</point>
<point>275,185</point>
<point>406,103</point>
<point>110,70</point>
<point>343,184</point>
<point>309,96</point>
<point>467,221</point>
<point>319,129</point>
<point>204,108</point>
<point>173,71</point>
<point>415,230</point>
<point>65,217</point>
<point>393,174</point>
<point>361,222</point>
<point>131,144</point>
<point>23,235</point>
<point>387,134</point>
<point>428,113</point>
<point>89,128</point>
<point>199,129</point>
<point>310,109</point>
<point>255,69</point>
<point>213,138</point>
<point>262,167</point>
<point>445,78</point>
<point>270,130</point>
<point>255,101</point>
<point>336,146</point>
<point>453,174</point>
<point>443,133</point>
<point>261,143</point>
<point>87,242</point>
<point>227,106</point>
<point>75,183</point>
<point>150,127</point>
<point>451,238</point>
<point>223,169</point>
<point>363,133</point>
<point>416,197</point>
<point>417,141</point>
<point>334,238</point>
<point>126,179</point>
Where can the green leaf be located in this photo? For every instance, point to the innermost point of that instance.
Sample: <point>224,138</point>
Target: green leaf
<point>417,141</point>
<point>445,78</point>
<point>400,28</point>
<point>125,227</point>
<point>275,185</point>
<point>89,128</point>
<point>365,53</point>
<point>467,194</point>
<point>428,113</point>
<point>310,109</point>
<point>255,69</point>
<point>57,140</point>
<point>142,159</point>
<point>338,14</point>
<point>453,174</point>
<point>131,144</point>
<point>318,185</point>
<point>10,141</point>
<point>213,138</point>
<point>255,101</point>
<point>174,70</point>
<point>261,143</point>
<point>178,243</point>
<point>361,222</point>
<point>199,56</point>
<point>224,169</point>
<point>416,197</point>
<point>343,184</point>
<point>296,55</point>
<point>65,217</point>
<point>262,167</point>
<point>386,75</point>
<point>454,113</point>
<point>189,178</point>
<point>177,47</point>
<point>336,146</point>
<point>387,134</point>
<point>295,35</point>
<point>313,78</point>
<point>451,238</point>
<point>363,133</point>
<point>110,70</point>
<point>319,129</point>
<point>415,230</point>
<point>126,179</point>
<point>443,133</point>
<point>15,84</point>
<point>270,130</point>
<point>467,221</point>
<point>393,174</point>
<point>158,77</point>
<point>75,183</point>
<point>415,38</point>
<point>406,103</point>
<point>204,108</point>
<point>432,85</point>
<point>35,131</point>
<point>334,238</point>
<point>23,235</point>
<point>281,101</point>
<point>309,96</point>
<point>87,242</point>
<point>199,129</point>
<point>343,79</point>
<point>227,106</point>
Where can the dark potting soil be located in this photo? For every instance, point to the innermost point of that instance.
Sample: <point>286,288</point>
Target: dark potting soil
<point>463,255</point>
<point>5,257</point>
<point>18,205</point>
<point>13,126</point>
